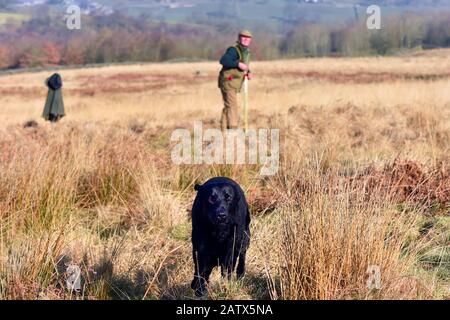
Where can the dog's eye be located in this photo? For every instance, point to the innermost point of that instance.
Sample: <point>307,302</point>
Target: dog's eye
<point>227,197</point>
<point>212,198</point>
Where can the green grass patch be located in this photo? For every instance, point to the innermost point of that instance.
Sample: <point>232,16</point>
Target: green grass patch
<point>16,17</point>
<point>181,232</point>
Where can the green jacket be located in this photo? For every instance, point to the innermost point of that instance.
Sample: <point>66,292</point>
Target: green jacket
<point>54,104</point>
<point>231,77</point>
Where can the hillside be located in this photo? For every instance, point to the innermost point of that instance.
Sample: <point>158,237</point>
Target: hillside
<point>270,15</point>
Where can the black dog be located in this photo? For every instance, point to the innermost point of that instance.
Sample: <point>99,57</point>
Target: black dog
<point>220,230</point>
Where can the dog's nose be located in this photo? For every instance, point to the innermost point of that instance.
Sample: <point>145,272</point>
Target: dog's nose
<point>222,215</point>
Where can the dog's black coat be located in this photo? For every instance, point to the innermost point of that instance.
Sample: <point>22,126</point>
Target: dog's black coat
<point>220,230</point>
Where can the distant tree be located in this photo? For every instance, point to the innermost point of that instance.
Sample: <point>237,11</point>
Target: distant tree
<point>166,48</point>
<point>380,43</point>
<point>32,56</point>
<point>311,40</point>
<point>438,32</point>
<point>52,53</point>
<point>74,52</point>
<point>5,57</point>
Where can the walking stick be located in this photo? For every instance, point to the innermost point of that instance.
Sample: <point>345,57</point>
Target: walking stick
<point>246,103</point>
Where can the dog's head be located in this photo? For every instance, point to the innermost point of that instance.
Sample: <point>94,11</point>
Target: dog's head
<point>219,202</point>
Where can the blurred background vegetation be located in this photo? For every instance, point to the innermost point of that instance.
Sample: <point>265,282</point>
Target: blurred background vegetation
<point>33,33</point>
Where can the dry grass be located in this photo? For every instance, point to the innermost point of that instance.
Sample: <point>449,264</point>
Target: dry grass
<point>364,180</point>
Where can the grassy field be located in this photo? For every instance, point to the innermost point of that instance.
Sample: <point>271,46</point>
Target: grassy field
<point>7,16</point>
<point>364,180</point>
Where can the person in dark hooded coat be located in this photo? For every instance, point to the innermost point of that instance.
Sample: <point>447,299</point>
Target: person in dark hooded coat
<point>54,106</point>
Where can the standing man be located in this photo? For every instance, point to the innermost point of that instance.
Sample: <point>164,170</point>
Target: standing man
<point>235,67</point>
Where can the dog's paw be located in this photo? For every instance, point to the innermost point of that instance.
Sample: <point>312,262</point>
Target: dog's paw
<point>199,287</point>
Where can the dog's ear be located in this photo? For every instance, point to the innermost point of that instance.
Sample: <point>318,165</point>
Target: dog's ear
<point>237,195</point>
<point>197,187</point>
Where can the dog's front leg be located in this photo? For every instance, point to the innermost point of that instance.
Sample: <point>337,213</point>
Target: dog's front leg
<point>204,267</point>
<point>241,265</point>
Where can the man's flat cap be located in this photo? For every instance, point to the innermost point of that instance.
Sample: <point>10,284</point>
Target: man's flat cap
<point>246,33</point>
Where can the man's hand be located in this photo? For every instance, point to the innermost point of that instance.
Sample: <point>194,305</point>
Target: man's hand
<point>242,66</point>
<point>249,76</point>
